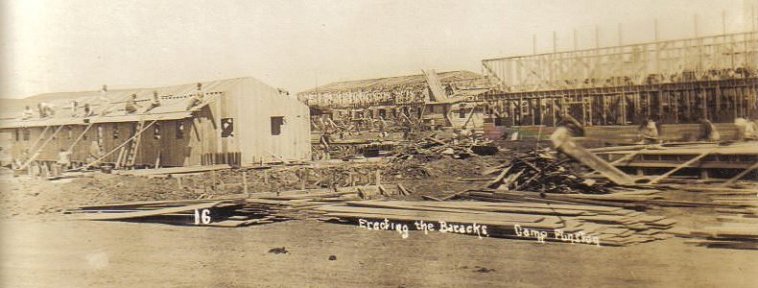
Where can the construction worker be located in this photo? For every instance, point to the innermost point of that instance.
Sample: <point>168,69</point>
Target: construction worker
<point>63,163</point>
<point>88,111</point>
<point>154,103</point>
<point>131,104</point>
<point>94,152</point>
<point>45,110</point>
<point>746,129</point>
<point>197,97</point>
<point>708,132</point>
<point>74,108</point>
<point>103,98</point>
<point>27,114</point>
<point>648,132</point>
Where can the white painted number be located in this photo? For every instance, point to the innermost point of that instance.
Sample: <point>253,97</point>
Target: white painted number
<point>202,216</point>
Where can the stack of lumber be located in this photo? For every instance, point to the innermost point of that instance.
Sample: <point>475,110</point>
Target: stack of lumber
<point>736,224</point>
<point>539,170</point>
<point>737,232</point>
<point>431,148</point>
<point>232,211</point>
<point>638,200</point>
<point>613,226</point>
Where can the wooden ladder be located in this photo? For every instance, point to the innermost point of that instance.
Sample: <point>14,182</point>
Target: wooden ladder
<point>131,153</point>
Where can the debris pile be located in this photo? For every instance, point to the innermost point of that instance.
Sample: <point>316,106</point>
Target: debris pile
<point>540,171</point>
<point>431,148</point>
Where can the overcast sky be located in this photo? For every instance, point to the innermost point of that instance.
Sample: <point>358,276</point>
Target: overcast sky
<point>74,45</point>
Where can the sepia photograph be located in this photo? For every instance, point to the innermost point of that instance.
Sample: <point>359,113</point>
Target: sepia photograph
<point>378,143</point>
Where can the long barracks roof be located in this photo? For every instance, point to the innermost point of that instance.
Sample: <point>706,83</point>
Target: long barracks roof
<point>173,105</point>
<point>390,83</point>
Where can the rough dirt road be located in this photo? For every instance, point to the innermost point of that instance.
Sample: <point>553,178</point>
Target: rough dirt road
<point>59,253</point>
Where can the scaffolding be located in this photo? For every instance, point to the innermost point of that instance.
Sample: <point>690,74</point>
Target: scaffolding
<point>678,81</point>
<point>702,58</point>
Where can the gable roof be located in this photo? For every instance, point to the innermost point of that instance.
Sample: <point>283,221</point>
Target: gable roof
<point>174,100</point>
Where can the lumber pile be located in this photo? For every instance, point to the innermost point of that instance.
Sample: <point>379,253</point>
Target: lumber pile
<point>631,199</point>
<point>564,223</point>
<point>431,148</point>
<point>736,225</point>
<point>232,211</point>
<point>539,170</point>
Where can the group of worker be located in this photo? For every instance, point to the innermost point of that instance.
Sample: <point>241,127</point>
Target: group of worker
<point>131,106</point>
<point>746,130</point>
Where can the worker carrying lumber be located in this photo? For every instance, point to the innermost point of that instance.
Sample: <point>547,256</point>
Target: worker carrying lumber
<point>648,132</point>
<point>708,132</point>
<point>746,129</point>
<point>154,103</point>
<point>575,128</point>
<point>197,97</point>
<point>131,104</point>
<point>27,114</point>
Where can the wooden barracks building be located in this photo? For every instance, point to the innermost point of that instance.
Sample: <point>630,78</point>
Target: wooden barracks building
<point>236,121</point>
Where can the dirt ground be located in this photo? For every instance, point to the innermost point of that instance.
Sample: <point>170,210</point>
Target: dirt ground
<point>60,253</point>
<point>42,247</point>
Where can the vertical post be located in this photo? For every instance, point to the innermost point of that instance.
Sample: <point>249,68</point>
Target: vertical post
<point>657,32</point>
<point>555,42</point>
<point>597,37</point>
<point>377,178</point>
<point>723,22</point>
<point>576,43</point>
<point>621,38</point>
<point>244,183</point>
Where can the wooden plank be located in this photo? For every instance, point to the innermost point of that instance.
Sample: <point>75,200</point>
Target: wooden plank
<point>148,213</point>
<point>682,166</point>
<point>562,141</point>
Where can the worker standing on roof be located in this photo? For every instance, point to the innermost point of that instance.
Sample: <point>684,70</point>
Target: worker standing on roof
<point>154,103</point>
<point>74,108</point>
<point>131,104</point>
<point>197,97</point>
<point>88,111</point>
<point>103,99</point>
<point>708,132</point>
<point>27,114</point>
<point>45,110</point>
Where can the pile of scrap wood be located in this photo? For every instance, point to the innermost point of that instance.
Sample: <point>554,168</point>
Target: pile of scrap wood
<point>431,148</point>
<point>539,170</point>
<point>233,211</point>
<point>565,223</point>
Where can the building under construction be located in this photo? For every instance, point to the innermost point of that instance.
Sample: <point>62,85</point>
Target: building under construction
<point>235,121</point>
<point>670,82</point>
